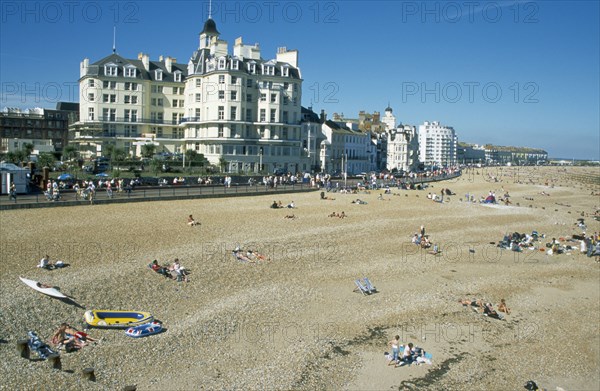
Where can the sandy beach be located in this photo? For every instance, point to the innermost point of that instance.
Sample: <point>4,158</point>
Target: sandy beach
<point>294,321</point>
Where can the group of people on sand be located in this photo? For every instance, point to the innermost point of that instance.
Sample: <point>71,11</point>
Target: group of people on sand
<point>339,215</point>
<point>479,306</point>
<point>406,354</point>
<point>174,271</point>
<point>70,338</point>
<point>251,256</point>
<point>192,222</point>
<point>45,263</point>
<point>279,205</point>
<point>423,241</point>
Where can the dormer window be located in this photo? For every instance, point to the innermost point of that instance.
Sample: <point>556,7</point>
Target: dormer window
<point>158,74</point>
<point>268,70</point>
<point>235,65</point>
<point>177,76</point>
<point>252,67</point>
<point>110,70</point>
<point>221,64</point>
<point>129,71</point>
<point>285,71</point>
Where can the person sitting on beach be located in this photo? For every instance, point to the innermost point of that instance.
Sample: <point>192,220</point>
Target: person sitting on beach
<point>45,263</point>
<point>342,215</point>
<point>395,345</point>
<point>70,338</point>
<point>435,251</point>
<point>503,308</point>
<point>159,269</point>
<point>425,242</point>
<point>178,272</point>
<point>279,204</point>
<point>333,214</point>
<point>291,205</point>
<point>407,354</point>
<point>191,222</point>
<point>274,205</point>
<point>416,239</point>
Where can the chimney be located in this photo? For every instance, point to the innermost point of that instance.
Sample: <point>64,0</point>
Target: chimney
<point>323,116</point>
<point>145,60</point>
<point>169,63</point>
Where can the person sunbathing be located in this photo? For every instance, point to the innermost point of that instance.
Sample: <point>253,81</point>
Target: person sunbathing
<point>333,214</point>
<point>45,263</point>
<point>342,215</point>
<point>159,269</point>
<point>472,302</point>
<point>254,255</point>
<point>239,255</point>
<point>503,308</point>
<point>491,312</point>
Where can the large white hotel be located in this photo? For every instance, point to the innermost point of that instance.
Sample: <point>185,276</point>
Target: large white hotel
<point>236,108</point>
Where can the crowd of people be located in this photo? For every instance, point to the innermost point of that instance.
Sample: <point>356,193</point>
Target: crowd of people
<point>406,354</point>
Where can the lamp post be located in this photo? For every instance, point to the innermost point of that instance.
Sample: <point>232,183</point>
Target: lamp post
<point>260,156</point>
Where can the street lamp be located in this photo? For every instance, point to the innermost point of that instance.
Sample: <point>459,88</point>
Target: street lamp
<point>260,156</point>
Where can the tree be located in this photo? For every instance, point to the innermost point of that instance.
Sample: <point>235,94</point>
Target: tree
<point>28,149</point>
<point>70,152</point>
<point>148,150</point>
<point>155,165</point>
<point>118,155</point>
<point>222,163</point>
<point>46,160</point>
<point>190,156</point>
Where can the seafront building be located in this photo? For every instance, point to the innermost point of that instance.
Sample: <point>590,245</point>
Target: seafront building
<point>237,109</point>
<point>437,144</point>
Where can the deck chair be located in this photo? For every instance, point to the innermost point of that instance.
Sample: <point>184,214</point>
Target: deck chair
<point>369,286</point>
<point>361,288</point>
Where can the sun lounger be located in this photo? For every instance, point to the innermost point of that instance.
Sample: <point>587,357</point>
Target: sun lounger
<point>361,288</point>
<point>369,286</point>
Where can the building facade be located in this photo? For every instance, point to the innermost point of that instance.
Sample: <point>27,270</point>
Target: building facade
<point>240,111</point>
<point>46,129</point>
<point>437,144</point>
<point>402,148</point>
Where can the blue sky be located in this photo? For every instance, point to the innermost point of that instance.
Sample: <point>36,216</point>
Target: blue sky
<point>502,72</point>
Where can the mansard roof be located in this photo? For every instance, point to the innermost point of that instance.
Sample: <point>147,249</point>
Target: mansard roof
<point>204,55</point>
<point>97,68</point>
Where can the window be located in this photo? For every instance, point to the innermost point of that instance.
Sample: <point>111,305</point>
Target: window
<point>159,117</point>
<point>263,97</point>
<point>91,83</point>
<point>286,100</point>
<point>127,99</point>
<point>273,115</point>
<point>197,115</point>
<point>284,133</point>
<point>198,82</point>
<point>159,131</point>
<point>235,64</point>
<point>273,98</point>
<point>221,63</point>
<point>109,84</point>
<point>252,68</point>
<point>248,97</point>
<point>90,113</point>
<point>157,89</point>
<point>221,79</point>
<point>113,115</point>
<point>153,101</point>
<point>127,115</point>
<point>286,85</point>
<point>233,80</point>
<point>249,83</point>
<point>133,115</point>
<point>233,113</point>
<point>222,95</point>
<point>177,76</point>
<point>285,117</point>
<point>249,115</point>
<point>221,128</point>
<point>233,95</point>
<point>175,103</point>
<point>159,101</point>
<point>198,98</point>
<point>285,71</point>
<point>90,97</point>
<point>221,112</point>
<point>263,115</point>
<point>110,70</point>
<point>129,71</point>
<point>109,98</point>
<point>158,74</point>
<point>134,100</point>
<point>268,70</point>
<point>174,118</point>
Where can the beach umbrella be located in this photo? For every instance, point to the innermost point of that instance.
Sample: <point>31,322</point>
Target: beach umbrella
<point>102,175</point>
<point>64,177</point>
